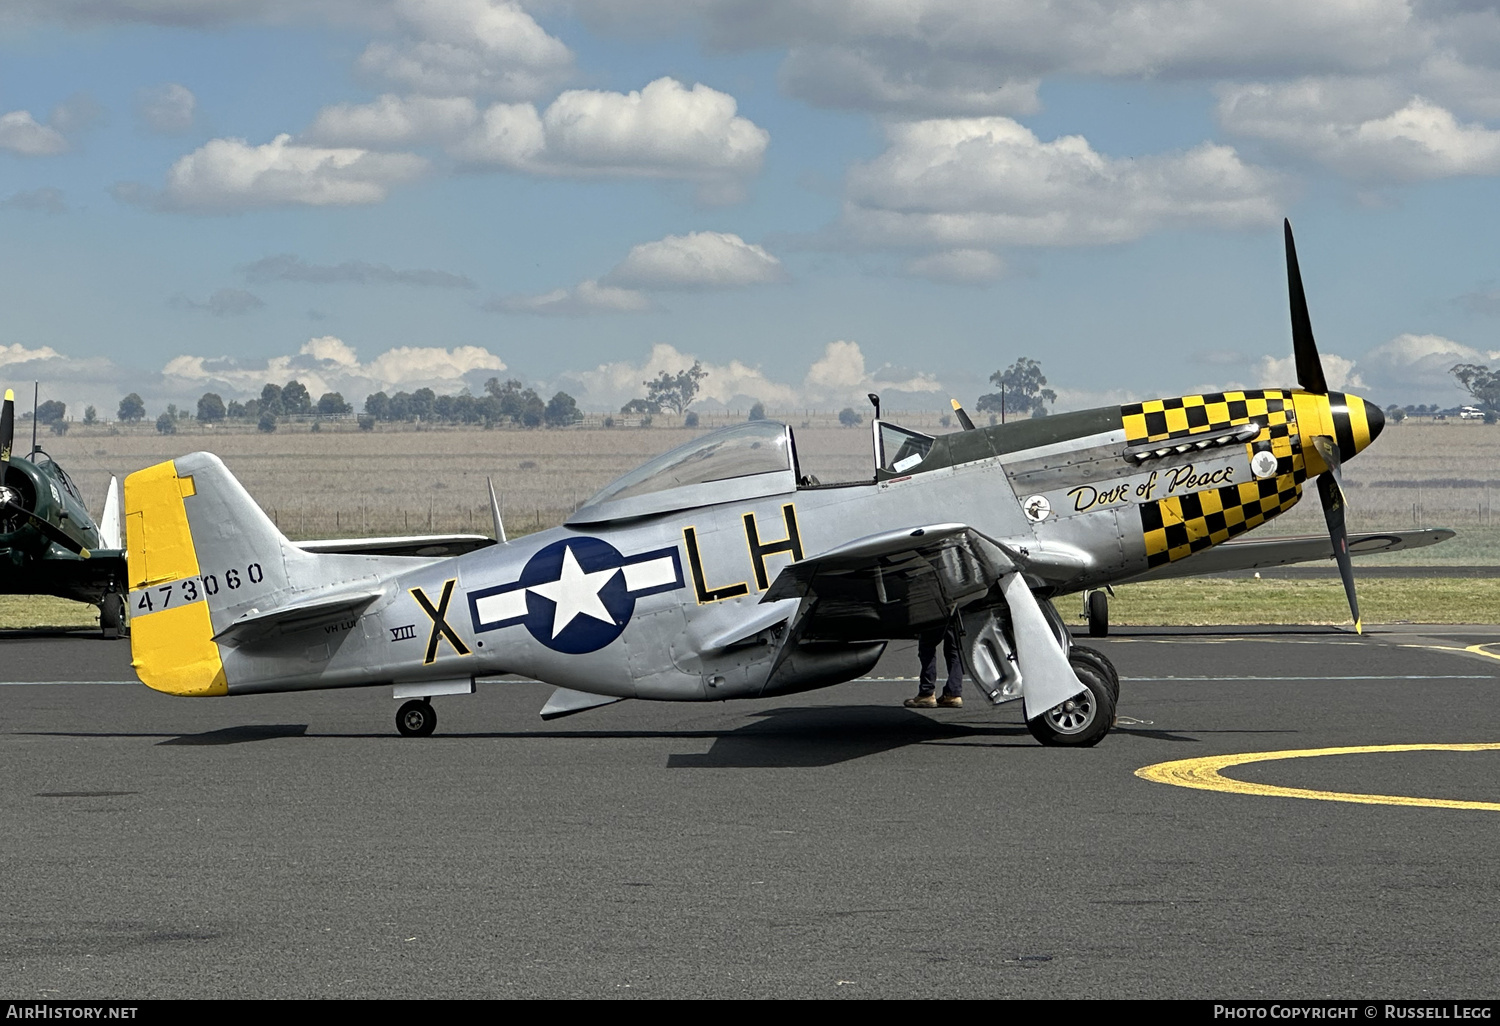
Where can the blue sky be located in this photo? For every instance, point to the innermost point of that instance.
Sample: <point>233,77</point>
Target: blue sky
<point>814,199</point>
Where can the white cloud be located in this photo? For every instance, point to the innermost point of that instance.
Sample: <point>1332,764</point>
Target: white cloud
<point>841,76</point>
<point>836,379</point>
<point>223,303</point>
<point>169,108</point>
<point>230,174</point>
<point>1338,371</point>
<point>958,266</point>
<point>663,131</point>
<point>955,56</point>
<point>394,121</point>
<point>697,260</point>
<point>587,297</point>
<point>1414,369</point>
<point>489,47</point>
<point>694,262</point>
<point>328,364</point>
<point>978,182</point>
<point>20,133</point>
<point>1357,129</point>
<point>47,200</point>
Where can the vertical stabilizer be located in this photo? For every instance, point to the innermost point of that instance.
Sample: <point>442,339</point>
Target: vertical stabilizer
<point>110,536</point>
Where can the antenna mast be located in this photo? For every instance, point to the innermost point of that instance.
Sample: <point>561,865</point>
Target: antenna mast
<point>36,392</point>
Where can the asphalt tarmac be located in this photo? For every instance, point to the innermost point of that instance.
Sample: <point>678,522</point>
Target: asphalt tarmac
<point>833,844</point>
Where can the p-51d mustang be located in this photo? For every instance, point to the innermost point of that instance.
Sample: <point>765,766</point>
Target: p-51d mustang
<point>719,570</point>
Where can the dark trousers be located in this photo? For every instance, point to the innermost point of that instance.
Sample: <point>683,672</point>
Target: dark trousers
<point>927,646</point>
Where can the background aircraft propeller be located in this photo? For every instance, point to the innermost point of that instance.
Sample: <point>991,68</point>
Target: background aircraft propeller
<point>1310,377</point>
<point>8,495</point>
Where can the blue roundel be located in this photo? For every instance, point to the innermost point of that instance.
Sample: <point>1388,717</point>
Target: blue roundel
<point>576,595</point>
<point>571,586</point>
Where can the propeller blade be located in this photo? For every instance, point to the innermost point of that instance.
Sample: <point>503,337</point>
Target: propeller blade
<point>1309,366</point>
<point>7,431</point>
<point>1328,449</point>
<point>1331,491</point>
<point>7,434</point>
<point>50,530</point>
<point>963,418</point>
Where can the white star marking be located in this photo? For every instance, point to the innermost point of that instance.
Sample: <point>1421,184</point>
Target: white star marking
<point>575,593</point>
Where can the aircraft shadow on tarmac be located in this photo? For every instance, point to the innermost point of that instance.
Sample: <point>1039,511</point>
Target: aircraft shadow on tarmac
<point>788,738</point>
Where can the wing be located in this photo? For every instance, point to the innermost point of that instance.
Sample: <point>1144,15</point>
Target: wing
<point>890,585</point>
<point>1256,554</point>
<point>429,545</point>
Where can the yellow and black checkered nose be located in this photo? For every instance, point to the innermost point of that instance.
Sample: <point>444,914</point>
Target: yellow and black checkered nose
<point>1347,419</point>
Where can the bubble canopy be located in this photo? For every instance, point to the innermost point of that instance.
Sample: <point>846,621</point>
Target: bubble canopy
<point>740,462</point>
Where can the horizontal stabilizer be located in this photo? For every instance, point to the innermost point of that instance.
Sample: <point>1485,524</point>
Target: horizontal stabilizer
<point>566,702</point>
<point>256,626</point>
<point>428,545</point>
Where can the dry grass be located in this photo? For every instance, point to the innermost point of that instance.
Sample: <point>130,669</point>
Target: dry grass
<point>1231,601</point>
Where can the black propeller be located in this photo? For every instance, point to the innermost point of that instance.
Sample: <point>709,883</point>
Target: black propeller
<point>963,417</point>
<point>8,496</point>
<point>1310,377</point>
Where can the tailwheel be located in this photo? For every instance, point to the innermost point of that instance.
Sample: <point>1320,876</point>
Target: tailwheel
<point>1081,721</point>
<point>1098,613</point>
<point>112,615</point>
<point>417,718</point>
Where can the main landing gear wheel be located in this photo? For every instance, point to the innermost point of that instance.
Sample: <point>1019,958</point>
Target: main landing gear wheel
<point>417,718</point>
<point>1096,659</point>
<point>1079,722</point>
<point>1098,609</point>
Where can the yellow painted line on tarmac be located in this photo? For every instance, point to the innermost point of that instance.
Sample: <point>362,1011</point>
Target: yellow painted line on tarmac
<point>1204,774</point>
<point>1480,650</point>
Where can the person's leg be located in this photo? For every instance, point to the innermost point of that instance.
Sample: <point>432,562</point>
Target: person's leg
<point>927,646</point>
<point>954,686</point>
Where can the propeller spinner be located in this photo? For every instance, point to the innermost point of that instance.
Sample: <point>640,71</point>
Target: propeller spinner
<point>1333,425</point>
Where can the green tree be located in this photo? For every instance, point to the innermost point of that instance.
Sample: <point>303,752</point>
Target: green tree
<point>270,400</point>
<point>294,398</point>
<point>132,409</point>
<point>211,408</point>
<point>676,392</point>
<point>561,410</point>
<point>378,405</point>
<point>757,412</point>
<point>1481,383</point>
<point>90,416</point>
<point>640,406</point>
<point>51,412</point>
<point>1023,389</point>
<point>267,423</point>
<point>331,404</point>
<point>849,418</point>
<point>166,424</point>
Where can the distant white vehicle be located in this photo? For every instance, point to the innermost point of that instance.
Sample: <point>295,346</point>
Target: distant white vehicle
<point>1471,413</point>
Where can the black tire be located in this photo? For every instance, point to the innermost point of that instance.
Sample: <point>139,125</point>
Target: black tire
<point>112,615</point>
<point>1097,659</point>
<point>1098,614</point>
<point>416,718</point>
<point>1079,722</point>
